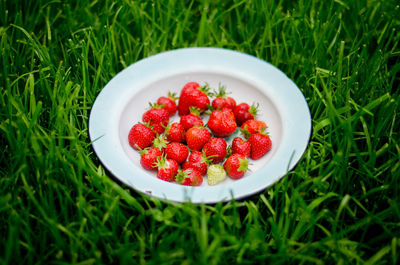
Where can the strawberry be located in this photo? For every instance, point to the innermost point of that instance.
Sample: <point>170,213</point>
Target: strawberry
<point>260,145</point>
<point>222,122</point>
<point>157,117</point>
<point>189,177</point>
<point>215,174</point>
<point>230,103</point>
<point>175,132</point>
<point>197,161</point>
<point>215,149</point>
<point>236,165</point>
<point>241,146</point>
<point>222,101</point>
<point>191,119</point>
<point>177,151</point>
<point>140,136</point>
<point>244,112</point>
<point>193,95</point>
<point>197,137</point>
<point>168,103</point>
<point>149,156</point>
<point>252,126</point>
<point>160,142</point>
<point>190,86</point>
<point>167,168</point>
<point>218,103</point>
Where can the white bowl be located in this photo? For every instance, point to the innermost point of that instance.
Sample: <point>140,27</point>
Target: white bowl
<point>124,99</point>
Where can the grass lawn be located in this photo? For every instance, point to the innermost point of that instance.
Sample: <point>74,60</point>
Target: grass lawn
<point>340,205</point>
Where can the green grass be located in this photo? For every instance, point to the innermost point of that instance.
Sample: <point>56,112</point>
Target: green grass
<point>340,204</point>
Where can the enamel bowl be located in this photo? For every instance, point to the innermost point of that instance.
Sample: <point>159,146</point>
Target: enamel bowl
<point>125,98</point>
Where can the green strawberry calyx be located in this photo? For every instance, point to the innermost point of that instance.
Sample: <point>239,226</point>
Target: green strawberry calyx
<point>206,89</point>
<point>172,96</point>
<point>264,132</point>
<point>156,106</point>
<point>147,124</point>
<point>182,175</point>
<point>194,111</point>
<point>167,128</point>
<point>144,151</point>
<point>160,142</point>
<point>245,131</point>
<point>244,164</point>
<point>228,151</point>
<point>209,109</point>
<point>221,93</point>
<point>161,162</point>
<point>254,109</point>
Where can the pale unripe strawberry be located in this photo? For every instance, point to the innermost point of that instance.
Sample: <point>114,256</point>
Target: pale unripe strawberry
<point>215,174</point>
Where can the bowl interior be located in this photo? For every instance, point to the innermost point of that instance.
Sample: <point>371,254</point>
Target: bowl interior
<point>242,90</point>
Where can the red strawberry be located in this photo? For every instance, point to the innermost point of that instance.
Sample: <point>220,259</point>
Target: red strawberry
<point>140,136</point>
<point>193,95</point>
<point>252,126</point>
<point>149,156</point>
<point>222,101</point>
<point>218,103</point>
<point>177,151</point>
<point>230,103</point>
<point>191,119</point>
<point>244,112</point>
<point>215,149</point>
<point>157,117</point>
<point>175,132</point>
<point>167,169</point>
<point>241,146</point>
<point>189,177</point>
<point>222,122</point>
<point>197,137</point>
<point>236,165</point>
<point>198,161</point>
<point>260,145</point>
<point>168,103</point>
<point>190,86</point>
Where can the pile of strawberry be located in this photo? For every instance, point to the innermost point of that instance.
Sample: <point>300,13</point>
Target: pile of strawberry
<point>187,150</point>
